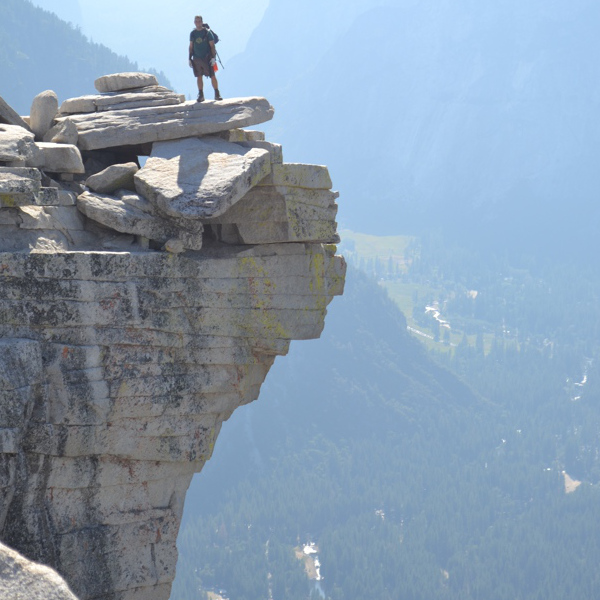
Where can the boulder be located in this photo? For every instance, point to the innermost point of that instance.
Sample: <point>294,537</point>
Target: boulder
<point>22,579</point>
<point>116,128</point>
<point>9,116</point>
<point>64,132</point>
<point>130,213</point>
<point>112,178</point>
<point>124,81</point>
<point>200,178</point>
<point>43,110</point>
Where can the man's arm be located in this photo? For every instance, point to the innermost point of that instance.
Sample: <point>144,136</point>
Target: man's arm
<point>213,50</point>
<point>191,51</point>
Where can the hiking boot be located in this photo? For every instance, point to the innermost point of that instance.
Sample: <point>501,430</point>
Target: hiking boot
<point>200,97</point>
<point>218,95</point>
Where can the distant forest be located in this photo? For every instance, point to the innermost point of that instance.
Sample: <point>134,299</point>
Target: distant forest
<point>57,57</point>
<point>421,472</point>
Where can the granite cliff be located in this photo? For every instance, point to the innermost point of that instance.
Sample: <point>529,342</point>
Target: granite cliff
<point>155,257</point>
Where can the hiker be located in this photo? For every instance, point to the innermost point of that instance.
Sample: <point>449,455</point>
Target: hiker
<point>203,57</point>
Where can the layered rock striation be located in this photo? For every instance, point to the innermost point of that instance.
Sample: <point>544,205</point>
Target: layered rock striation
<point>141,302</point>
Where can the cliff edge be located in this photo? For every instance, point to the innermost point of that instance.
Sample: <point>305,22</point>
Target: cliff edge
<point>155,257</point>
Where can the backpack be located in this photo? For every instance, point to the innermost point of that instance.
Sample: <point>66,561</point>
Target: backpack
<point>207,27</point>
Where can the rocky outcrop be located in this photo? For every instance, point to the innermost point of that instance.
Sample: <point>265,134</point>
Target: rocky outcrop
<point>138,308</point>
<point>20,579</point>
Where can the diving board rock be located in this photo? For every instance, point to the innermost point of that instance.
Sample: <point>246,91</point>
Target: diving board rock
<point>115,128</point>
<point>200,178</point>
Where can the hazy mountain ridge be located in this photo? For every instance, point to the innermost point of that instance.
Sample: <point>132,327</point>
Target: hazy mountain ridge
<point>39,51</point>
<point>474,115</point>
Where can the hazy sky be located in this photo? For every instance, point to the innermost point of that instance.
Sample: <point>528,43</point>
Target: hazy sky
<point>155,33</point>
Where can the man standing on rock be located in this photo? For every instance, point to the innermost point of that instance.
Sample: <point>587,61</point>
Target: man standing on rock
<point>203,57</point>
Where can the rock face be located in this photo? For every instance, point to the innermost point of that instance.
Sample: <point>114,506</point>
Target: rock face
<point>132,324</point>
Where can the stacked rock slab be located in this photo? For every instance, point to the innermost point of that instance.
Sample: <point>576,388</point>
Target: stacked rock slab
<point>138,308</point>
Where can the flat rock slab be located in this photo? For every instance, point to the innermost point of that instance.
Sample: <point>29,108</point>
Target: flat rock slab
<point>57,158</point>
<point>275,150</point>
<point>200,178</point>
<point>299,175</point>
<point>9,116</point>
<point>116,128</point>
<point>124,81</point>
<point>133,214</point>
<point>148,96</point>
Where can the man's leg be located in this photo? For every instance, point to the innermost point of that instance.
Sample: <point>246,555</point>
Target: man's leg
<point>215,85</point>
<point>200,89</point>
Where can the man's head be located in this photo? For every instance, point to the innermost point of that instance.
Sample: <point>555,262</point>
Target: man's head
<point>198,22</point>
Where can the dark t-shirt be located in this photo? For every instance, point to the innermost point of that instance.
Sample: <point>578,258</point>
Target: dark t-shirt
<point>201,38</point>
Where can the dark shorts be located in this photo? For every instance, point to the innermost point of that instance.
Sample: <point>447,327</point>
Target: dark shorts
<point>201,67</point>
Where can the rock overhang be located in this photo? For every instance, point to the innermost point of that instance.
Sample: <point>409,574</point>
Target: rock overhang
<point>152,302</point>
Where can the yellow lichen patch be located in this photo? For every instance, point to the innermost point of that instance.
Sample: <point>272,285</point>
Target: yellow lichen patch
<point>317,267</point>
<point>211,443</point>
<point>7,201</point>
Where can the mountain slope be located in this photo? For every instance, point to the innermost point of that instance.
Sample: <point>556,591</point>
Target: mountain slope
<point>324,448</point>
<point>410,484</point>
<point>476,118</point>
<point>38,51</point>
